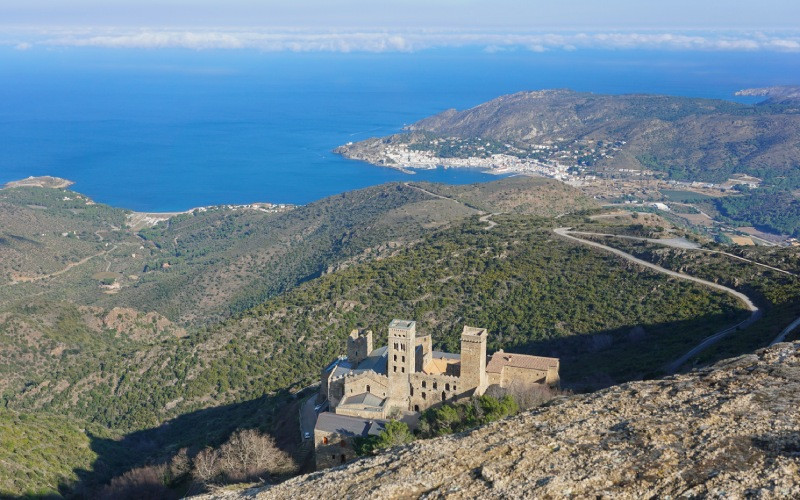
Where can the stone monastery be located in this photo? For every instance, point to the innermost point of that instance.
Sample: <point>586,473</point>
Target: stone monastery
<point>407,376</point>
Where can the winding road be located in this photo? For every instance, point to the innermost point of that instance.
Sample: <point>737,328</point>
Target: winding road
<point>755,312</point>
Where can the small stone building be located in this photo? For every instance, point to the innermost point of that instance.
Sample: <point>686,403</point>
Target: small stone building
<point>334,435</point>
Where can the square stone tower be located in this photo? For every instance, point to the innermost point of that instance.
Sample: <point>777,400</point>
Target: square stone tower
<point>401,362</point>
<point>359,345</point>
<point>473,358</point>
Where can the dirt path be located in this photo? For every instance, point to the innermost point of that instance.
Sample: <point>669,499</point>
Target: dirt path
<point>490,223</point>
<point>484,218</point>
<point>755,312</point>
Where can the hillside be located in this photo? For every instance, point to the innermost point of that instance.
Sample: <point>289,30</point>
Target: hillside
<point>161,385</point>
<point>688,138</point>
<point>42,453</point>
<point>730,430</point>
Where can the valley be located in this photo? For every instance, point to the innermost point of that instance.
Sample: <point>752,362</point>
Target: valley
<point>252,304</point>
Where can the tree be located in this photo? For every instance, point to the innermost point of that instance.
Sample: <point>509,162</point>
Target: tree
<point>249,454</point>
<point>206,466</point>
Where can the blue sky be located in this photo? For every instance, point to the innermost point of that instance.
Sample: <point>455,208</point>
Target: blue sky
<point>387,14</point>
<point>394,25</point>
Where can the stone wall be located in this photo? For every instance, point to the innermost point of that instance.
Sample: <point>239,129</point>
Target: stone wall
<point>332,449</point>
<point>366,382</point>
<point>429,390</point>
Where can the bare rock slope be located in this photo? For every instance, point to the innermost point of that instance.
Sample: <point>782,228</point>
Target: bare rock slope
<point>731,430</point>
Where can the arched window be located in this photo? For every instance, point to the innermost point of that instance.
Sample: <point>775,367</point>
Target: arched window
<point>416,407</point>
<point>404,359</point>
<point>394,368</point>
<point>446,387</point>
<point>368,389</point>
<point>454,387</point>
<point>403,369</point>
<point>423,384</point>
<point>395,357</point>
<point>444,395</point>
<point>423,395</point>
<point>325,440</point>
<point>434,385</point>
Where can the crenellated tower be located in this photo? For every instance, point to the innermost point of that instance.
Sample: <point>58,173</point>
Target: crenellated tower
<point>359,346</point>
<point>473,358</point>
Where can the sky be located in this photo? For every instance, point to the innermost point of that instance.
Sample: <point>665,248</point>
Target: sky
<point>389,14</point>
<point>408,25</point>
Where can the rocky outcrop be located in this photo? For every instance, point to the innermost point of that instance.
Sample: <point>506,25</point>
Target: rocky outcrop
<point>727,431</point>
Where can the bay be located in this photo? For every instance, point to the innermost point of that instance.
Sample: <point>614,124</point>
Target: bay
<point>164,130</point>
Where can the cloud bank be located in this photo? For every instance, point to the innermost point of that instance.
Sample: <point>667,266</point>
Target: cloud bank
<point>404,41</point>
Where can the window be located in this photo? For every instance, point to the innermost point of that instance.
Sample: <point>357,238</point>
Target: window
<point>325,440</point>
<point>403,369</point>
<point>423,395</point>
<point>434,385</point>
<point>423,384</point>
<point>444,395</point>
<point>395,357</point>
<point>416,407</point>
<point>446,387</point>
<point>404,359</point>
<point>368,389</point>
<point>412,390</point>
<point>394,368</point>
<point>454,387</point>
<point>343,459</point>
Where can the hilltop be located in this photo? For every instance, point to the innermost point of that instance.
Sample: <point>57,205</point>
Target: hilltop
<point>741,159</point>
<point>687,138</point>
<point>730,430</point>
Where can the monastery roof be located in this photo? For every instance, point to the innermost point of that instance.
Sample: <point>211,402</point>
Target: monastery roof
<point>402,323</point>
<point>353,426</point>
<point>377,361</point>
<point>339,367</point>
<point>445,355</point>
<point>439,361</point>
<point>501,359</point>
<point>363,399</point>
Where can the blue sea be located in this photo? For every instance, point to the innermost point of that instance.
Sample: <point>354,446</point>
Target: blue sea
<point>164,130</point>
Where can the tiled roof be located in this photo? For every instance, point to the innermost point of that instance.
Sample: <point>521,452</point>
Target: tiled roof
<point>352,426</point>
<point>501,359</point>
<point>445,355</point>
<point>364,399</point>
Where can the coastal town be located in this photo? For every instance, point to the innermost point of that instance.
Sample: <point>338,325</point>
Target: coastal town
<point>581,163</point>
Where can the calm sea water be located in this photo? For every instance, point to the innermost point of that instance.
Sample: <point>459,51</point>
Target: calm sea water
<point>169,130</point>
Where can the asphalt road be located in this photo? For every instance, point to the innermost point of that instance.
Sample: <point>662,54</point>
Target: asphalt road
<point>755,312</point>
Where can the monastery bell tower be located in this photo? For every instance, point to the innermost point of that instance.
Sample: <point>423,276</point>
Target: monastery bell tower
<point>402,342</point>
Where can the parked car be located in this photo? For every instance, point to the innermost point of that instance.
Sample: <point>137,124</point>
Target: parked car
<point>307,435</point>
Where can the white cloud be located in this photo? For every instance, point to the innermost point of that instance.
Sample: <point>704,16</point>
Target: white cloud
<point>408,41</point>
<point>23,46</point>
